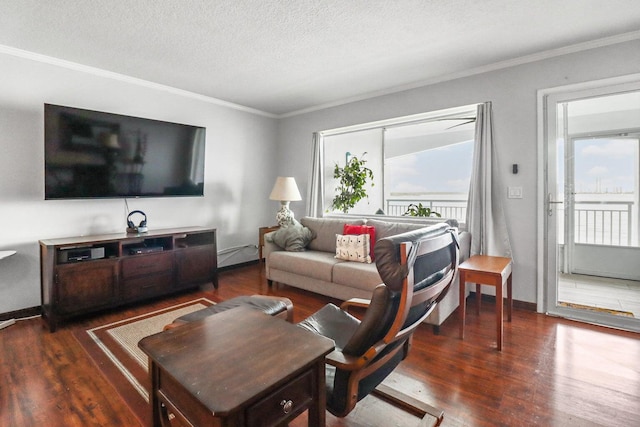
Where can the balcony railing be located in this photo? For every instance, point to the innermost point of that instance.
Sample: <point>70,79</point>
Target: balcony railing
<point>447,208</point>
<point>595,222</point>
<point>605,223</point>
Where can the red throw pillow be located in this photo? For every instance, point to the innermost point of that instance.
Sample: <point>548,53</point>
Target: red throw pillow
<point>363,229</point>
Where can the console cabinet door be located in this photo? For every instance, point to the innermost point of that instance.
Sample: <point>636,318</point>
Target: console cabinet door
<point>196,265</point>
<point>84,286</point>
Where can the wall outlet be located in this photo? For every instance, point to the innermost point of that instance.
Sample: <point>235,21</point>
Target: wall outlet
<point>515,193</point>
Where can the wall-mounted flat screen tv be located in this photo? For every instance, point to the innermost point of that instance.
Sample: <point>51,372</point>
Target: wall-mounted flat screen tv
<point>92,154</point>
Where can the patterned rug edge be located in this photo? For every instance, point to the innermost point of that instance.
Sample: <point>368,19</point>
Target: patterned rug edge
<point>117,375</point>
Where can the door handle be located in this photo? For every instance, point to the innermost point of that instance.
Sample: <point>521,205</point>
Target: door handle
<point>551,202</point>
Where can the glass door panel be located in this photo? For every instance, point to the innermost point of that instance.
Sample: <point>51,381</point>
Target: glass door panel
<point>593,200</point>
<point>604,206</point>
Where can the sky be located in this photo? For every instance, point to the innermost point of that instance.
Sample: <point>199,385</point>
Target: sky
<point>601,166</point>
<point>442,170</point>
<point>606,165</point>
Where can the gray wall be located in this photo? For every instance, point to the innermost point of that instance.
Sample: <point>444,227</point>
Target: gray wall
<point>240,152</point>
<point>513,94</point>
<point>246,151</point>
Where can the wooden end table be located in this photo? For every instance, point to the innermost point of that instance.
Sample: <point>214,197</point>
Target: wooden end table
<point>240,367</point>
<point>487,270</point>
<point>261,232</point>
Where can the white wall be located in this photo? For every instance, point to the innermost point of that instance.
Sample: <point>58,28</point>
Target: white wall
<point>239,169</point>
<point>513,94</point>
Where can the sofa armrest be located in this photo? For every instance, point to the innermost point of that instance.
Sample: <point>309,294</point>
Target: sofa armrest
<point>269,246</point>
<point>267,249</point>
<point>464,238</point>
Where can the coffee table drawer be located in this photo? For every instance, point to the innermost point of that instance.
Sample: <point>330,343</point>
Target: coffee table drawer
<point>178,405</point>
<point>284,403</point>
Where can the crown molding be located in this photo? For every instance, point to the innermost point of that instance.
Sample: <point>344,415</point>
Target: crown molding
<point>552,53</point>
<point>24,54</point>
<point>547,54</point>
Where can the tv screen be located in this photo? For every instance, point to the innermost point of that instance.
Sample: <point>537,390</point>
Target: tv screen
<point>92,154</point>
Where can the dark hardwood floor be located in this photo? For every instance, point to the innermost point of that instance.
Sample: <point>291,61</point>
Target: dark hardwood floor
<point>551,372</point>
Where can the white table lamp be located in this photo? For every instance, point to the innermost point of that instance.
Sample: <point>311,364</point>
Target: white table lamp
<point>285,190</point>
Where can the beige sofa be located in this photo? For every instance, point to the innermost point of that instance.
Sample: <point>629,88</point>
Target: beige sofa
<point>317,270</point>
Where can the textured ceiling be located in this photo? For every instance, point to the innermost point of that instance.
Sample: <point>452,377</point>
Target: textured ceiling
<point>283,56</point>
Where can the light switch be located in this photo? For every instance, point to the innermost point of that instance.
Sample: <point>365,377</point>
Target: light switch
<point>515,193</point>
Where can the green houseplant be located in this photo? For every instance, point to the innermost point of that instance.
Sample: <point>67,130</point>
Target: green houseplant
<point>352,179</point>
<point>419,210</point>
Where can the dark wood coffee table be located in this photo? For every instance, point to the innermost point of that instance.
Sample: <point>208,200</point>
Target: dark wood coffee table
<point>237,368</point>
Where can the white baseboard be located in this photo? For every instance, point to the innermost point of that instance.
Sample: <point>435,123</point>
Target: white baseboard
<point>6,323</point>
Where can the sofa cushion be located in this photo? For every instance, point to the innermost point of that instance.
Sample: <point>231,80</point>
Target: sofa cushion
<point>315,264</point>
<point>326,230</point>
<point>356,275</point>
<point>353,247</point>
<point>387,229</point>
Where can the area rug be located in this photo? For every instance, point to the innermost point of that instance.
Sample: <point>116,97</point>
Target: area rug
<point>598,309</point>
<point>114,349</point>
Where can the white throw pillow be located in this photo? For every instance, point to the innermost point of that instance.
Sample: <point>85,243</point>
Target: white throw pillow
<point>353,247</point>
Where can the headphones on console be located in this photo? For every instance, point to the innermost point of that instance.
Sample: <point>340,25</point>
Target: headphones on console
<point>141,228</point>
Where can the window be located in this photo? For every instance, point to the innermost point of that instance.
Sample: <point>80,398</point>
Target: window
<point>425,159</point>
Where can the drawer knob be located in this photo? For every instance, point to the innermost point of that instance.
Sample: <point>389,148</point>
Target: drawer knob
<point>287,405</point>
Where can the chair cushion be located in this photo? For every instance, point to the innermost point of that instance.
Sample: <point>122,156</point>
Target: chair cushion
<point>375,323</point>
<point>331,322</point>
<point>266,304</point>
<point>388,254</point>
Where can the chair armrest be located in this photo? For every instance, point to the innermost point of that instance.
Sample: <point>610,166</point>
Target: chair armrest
<point>355,302</point>
<point>352,363</point>
<point>342,361</point>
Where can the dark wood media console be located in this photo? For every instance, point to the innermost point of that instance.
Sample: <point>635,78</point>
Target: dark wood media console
<point>85,274</point>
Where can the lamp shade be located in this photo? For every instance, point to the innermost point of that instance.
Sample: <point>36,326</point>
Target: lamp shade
<point>285,190</point>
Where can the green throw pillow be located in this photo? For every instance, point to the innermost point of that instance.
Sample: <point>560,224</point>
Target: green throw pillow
<point>293,238</point>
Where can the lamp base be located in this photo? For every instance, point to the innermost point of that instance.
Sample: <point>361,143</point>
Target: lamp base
<point>284,216</point>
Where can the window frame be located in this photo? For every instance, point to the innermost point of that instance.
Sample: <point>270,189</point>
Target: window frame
<point>382,125</point>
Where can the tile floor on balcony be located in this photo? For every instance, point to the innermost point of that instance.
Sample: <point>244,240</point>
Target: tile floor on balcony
<point>613,294</point>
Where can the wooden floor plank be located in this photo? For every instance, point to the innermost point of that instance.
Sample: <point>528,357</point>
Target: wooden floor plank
<point>550,372</point>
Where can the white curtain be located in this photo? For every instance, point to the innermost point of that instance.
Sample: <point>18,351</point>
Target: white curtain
<point>485,214</point>
<point>314,191</point>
